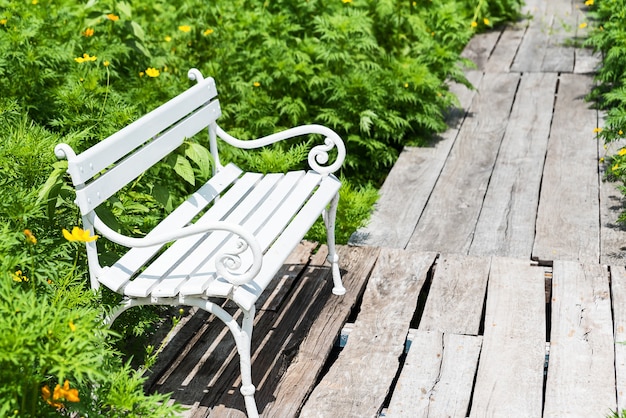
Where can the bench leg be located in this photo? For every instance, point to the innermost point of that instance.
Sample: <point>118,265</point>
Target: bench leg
<point>244,348</point>
<point>330,215</point>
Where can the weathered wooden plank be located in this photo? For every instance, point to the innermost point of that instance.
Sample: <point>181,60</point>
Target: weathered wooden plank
<point>509,381</point>
<point>532,49</point>
<point>587,61</point>
<point>456,296</point>
<point>504,53</point>
<point>437,377</point>
<point>618,295</point>
<point>581,369</point>
<point>559,53</point>
<point>275,342</point>
<point>506,226</point>
<point>568,215</point>
<point>299,379</point>
<point>480,47</point>
<point>414,174</point>
<point>612,204</point>
<point>463,182</point>
<point>352,387</point>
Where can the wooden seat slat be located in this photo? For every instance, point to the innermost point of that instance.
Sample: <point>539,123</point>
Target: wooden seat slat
<point>116,276</point>
<point>127,170</point>
<point>208,246</point>
<point>200,281</point>
<point>142,285</point>
<point>247,294</point>
<point>105,153</point>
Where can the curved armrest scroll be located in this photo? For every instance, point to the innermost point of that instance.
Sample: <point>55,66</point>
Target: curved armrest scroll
<point>228,264</point>
<point>319,154</point>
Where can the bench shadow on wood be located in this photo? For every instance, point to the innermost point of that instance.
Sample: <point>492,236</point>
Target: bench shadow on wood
<point>200,367</point>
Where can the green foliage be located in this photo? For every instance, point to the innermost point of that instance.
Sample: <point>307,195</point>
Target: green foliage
<point>374,70</point>
<point>608,36</point>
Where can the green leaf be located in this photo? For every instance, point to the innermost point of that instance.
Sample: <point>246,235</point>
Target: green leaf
<point>201,157</point>
<point>125,9</point>
<point>183,168</point>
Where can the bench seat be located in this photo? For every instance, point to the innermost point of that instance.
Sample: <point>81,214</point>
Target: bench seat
<point>277,208</point>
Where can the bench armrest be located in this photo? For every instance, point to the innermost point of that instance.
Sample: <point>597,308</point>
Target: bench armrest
<point>318,156</point>
<point>228,264</point>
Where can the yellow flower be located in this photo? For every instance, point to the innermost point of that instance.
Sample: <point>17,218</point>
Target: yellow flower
<point>406,85</point>
<point>184,28</point>
<point>621,152</point>
<point>35,1</point>
<point>589,3</point>
<point>113,17</point>
<point>152,72</point>
<point>106,63</point>
<point>486,21</point>
<point>85,58</point>
<point>30,238</point>
<point>583,25</point>
<point>72,326</point>
<point>620,132</point>
<point>597,130</point>
<point>601,159</point>
<point>615,167</point>
<point>474,24</point>
<point>168,38</point>
<point>3,21</point>
<point>208,32</point>
<point>78,234</point>
<point>256,84</point>
<point>19,277</point>
<point>346,1</point>
<point>88,32</point>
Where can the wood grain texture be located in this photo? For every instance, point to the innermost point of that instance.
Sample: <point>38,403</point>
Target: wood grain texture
<point>509,381</point>
<point>437,377</point>
<point>456,296</point>
<point>480,47</point>
<point>506,226</point>
<point>581,368</point>
<point>303,372</point>
<point>559,52</point>
<point>447,224</point>
<point>352,387</point>
<point>568,226</point>
<point>618,295</point>
<point>504,52</point>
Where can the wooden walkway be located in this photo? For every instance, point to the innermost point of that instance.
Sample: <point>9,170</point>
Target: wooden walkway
<point>498,289</point>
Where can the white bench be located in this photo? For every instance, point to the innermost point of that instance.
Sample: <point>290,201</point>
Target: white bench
<point>247,223</point>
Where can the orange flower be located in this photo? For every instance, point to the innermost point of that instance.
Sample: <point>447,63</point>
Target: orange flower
<point>113,17</point>
<point>88,32</point>
<point>30,238</point>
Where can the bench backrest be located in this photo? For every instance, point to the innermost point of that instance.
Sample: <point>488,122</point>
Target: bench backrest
<point>102,170</point>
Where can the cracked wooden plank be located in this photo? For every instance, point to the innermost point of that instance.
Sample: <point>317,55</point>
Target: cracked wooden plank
<point>568,217</point>
<point>358,382</point>
<point>618,294</point>
<point>581,369</point>
<point>509,381</point>
<point>456,295</point>
<point>506,226</point>
<point>448,221</point>
<point>437,377</point>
